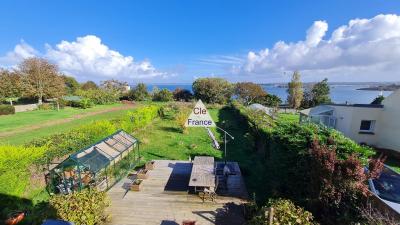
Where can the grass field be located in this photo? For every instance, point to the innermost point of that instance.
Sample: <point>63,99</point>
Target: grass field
<point>22,122</point>
<point>22,119</point>
<point>163,140</point>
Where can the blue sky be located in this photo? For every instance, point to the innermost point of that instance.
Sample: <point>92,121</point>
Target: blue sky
<point>178,41</point>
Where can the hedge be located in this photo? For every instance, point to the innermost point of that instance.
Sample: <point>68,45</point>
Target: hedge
<point>286,147</point>
<point>7,109</point>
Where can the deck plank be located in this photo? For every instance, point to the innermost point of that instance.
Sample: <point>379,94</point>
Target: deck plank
<point>156,205</point>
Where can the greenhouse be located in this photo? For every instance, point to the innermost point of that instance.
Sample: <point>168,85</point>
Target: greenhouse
<point>99,166</point>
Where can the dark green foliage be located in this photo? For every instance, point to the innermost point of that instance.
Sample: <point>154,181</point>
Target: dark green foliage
<point>163,95</point>
<point>286,146</point>
<point>212,90</point>
<point>7,109</point>
<point>319,94</point>
<point>182,95</point>
<point>85,103</point>
<point>270,100</point>
<point>378,100</point>
<point>83,208</point>
<point>139,93</point>
<point>71,85</point>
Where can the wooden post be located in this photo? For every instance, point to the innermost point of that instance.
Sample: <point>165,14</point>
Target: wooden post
<point>271,216</point>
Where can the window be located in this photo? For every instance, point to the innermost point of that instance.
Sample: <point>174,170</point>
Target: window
<point>367,125</point>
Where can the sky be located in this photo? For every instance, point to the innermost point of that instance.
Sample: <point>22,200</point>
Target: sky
<point>180,41</point>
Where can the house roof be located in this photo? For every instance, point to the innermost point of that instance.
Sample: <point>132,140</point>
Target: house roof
<point>359,105</point>
<point>317,110</point>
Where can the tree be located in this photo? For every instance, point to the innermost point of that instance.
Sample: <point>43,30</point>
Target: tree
<point>10,85</point>
<point>139,93</point>
<point>182,95</point>
<point>71,84</point>
<point>270,100</point>
<point>320,93</point>
<point>163,95</point>
<point>212,90</point>
<point>89,85</point>
<point>378,100</point>
<point>295,91</point>
<point>41,79</point>
<point>248,92</point>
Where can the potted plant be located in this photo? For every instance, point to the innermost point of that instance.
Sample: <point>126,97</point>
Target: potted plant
<point>143,174</point>
<point>137,185</point>
<point>150,165</point>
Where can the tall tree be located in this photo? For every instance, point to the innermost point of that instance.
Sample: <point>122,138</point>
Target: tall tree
<point>89,85</point>
<point>320,93</point>
<point>212,90</point>
<point>41,79</point>
<point>71,84</point>
<point>248,92</point>
<point>10,85</point>
<point>295,91</point>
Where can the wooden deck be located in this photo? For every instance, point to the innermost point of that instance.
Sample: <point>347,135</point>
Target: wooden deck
<point>164,199</point>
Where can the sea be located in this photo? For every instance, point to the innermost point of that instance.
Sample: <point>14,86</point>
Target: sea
<point>340,93</point>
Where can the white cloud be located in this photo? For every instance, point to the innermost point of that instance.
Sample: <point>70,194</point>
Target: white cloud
<point>364,49</point>
<point>87,58</point>
<point>21,51</point>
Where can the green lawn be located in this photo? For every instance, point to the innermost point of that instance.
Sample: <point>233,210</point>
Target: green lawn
<point>22,119</point>
<point>25,137</point>
<point>163,140</point>
<point>289,117</point>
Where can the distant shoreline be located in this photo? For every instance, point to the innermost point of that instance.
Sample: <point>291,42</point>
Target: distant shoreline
<point>391,87</point>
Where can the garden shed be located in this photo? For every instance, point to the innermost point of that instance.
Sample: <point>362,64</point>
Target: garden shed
<point>99,165</point>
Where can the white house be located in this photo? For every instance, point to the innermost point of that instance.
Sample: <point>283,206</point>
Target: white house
<point>375,125</point>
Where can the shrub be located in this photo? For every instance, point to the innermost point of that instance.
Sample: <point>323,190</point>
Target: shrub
<point>284,212</point>
<point>7,109</point>
<point>163,95</point>
<point>181,117</point>
<point>99,96</point>
<point>294,170</point>
<point>14,163</point>
<point>139,93</point>
<point>85,103</point>
<point>45,106</point>
<point>212,90</point>
<point>182,95</point>
<point>86,207</point>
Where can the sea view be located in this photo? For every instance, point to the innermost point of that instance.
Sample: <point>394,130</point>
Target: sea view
<point>339,93</point>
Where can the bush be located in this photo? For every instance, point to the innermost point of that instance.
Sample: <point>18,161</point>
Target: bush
<point>295,171</point>
<point>86,207</point>
<point>45,106</point>
<point>182,95</point>
<point>163,95</point>
<point>139,93</point>
<point>14,163</point>
<point>99,96</point>
<point>7,109</point>
<point>85,103</point>
<point>284,212</point>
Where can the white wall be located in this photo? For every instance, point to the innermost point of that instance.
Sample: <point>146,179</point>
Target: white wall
<point>389,131</point>
<point>348,121</point>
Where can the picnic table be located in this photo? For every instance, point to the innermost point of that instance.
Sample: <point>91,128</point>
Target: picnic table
<point>203,174</point>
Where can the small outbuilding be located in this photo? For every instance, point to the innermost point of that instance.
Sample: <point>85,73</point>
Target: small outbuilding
<point>99,165</point>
